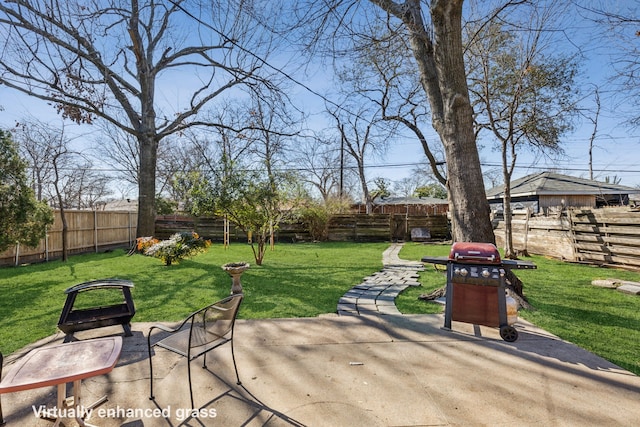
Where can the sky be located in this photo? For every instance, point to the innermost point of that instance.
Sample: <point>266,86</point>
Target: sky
<point>616,152</point>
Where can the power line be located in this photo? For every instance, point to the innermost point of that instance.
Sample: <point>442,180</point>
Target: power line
<point>377,166</point>
<point>262,60</point>
<point>573,169</point>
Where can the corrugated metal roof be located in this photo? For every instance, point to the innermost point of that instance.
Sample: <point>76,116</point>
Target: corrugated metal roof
<point>549,183</point>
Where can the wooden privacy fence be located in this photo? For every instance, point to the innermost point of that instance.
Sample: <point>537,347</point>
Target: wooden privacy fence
<point>87,231</point>
<point>599,236</point>
<point>605,236</point>
<point>348,227</point>
<point>541,235</point>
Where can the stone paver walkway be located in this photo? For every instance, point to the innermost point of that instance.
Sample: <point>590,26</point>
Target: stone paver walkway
<point>377,293</point>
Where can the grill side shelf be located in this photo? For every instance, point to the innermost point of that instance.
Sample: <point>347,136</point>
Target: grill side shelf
<point>442,260</point>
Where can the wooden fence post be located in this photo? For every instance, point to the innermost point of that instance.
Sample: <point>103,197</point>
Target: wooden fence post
<point>95,230</point>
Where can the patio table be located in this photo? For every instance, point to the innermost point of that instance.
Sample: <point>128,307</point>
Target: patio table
<point>62,364</point>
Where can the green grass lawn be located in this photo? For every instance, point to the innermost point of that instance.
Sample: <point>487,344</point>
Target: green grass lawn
<point>305,280</point>
<point>295,280</point>
<point>603,321</point>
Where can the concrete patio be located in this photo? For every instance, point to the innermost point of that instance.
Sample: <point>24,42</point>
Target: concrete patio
<point>373,370</point>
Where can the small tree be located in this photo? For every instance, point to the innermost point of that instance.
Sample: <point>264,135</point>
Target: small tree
<point>381,189</point>
<point>524,97</point>
<point>315,216</point>
<point>255,210</point>
<point>22,218</point>
<point>434,190</point>
<point>246,198</point>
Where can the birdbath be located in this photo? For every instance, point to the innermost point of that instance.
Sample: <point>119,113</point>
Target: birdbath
<point>235,270</point>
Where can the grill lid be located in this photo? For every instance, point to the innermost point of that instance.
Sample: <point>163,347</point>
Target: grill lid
<point>475,253</point>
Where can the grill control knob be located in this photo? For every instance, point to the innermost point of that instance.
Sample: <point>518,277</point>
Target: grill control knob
<point>463,272</point>
<point>486,273</point>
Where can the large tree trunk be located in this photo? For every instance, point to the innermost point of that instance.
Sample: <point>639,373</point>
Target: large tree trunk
<point>470,215</point>
<point>443,77</point>
<point>147,134</point>
<point>147,187</point>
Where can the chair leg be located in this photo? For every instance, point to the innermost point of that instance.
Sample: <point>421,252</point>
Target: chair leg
<point>190,388</point>
<point>233,356</point>
<point>151,396</point>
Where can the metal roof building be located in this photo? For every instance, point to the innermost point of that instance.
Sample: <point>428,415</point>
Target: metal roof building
<point>547,190</point>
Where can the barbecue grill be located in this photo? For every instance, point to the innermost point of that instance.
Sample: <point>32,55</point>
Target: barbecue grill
<point>475,291</point>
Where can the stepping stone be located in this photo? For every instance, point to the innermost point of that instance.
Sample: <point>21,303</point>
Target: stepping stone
<point>377,293</point>
<point>348,300</point>
<point>367,299</point>
<point>606,283</point>
<point>388,309</point>
<point>629,289</point>
<point>347,307</point>
<point>368,309</point>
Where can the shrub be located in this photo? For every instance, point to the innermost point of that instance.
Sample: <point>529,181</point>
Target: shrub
<point>144,243</point>
<point>178,247</point>
<point>316,216</point>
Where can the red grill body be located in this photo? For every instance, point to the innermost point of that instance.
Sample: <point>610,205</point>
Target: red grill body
<point>475,290</point>
<point>475,253</point>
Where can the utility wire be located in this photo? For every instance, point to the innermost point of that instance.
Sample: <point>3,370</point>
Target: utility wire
<point>263,61</point>
<point>378,166</point>
<point>329,101</point>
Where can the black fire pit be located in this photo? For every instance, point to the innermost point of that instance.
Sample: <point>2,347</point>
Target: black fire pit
<point>97,316</point>
<point>475,290</point>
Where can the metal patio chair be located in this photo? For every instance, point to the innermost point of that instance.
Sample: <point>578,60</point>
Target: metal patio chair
<point>201,332</point>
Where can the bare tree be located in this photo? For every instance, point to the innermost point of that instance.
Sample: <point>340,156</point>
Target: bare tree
<point>84,187</point>
<point>118,150</point>
<point>119,58</point>
<point>619,31</point>
<point>593,117</point>
<point>437,49</point>
<point>386,77</point>
<point>358,139</point>
<point>60,162</point>
<point>435,39</point>
<point>321,165</point>
<point>524,96</point>
<point>37,144</point>
<point>48,151</point>
<point>359,121</point>
<point>414,185</point>
<point>62,176</point>
<point>272,133</point>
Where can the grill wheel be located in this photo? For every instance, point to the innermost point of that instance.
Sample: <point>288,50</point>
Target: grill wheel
<point>508,333</point>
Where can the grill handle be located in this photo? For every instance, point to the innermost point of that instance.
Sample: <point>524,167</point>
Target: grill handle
<point>478,257</point>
